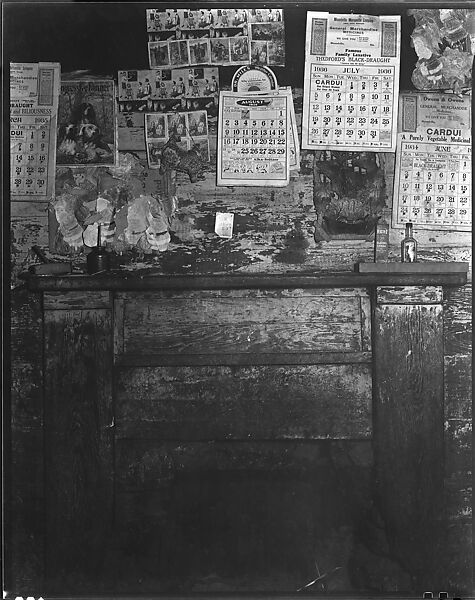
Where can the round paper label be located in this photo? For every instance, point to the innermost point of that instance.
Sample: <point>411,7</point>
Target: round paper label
<point>254,78</point>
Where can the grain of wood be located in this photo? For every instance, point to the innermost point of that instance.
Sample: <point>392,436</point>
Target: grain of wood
<point>409,436</point>
<point>76,300</point>
<point>193,403</point>
<point>409,295</point>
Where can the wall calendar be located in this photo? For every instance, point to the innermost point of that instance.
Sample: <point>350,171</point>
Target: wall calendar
<point>351,82</point>
<point>254,139</point>
<point>34,91</point>
<point>432,184</point>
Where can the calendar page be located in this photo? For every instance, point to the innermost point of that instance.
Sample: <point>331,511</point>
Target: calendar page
<point>253,139</point>
<point>34,91</point>
<point>432,183</point>
<point>351,82</point>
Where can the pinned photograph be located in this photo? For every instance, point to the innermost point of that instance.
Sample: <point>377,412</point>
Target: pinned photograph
<point>177,125</point>
<point>199,52</point>
<point>265,15</point>
<point>158,54</point>
<point>220,51</point>
<point>155,124</point>
<point>197,123</point>
<point>259,53</point>
<point>239,49</point>
<point>178,52</point>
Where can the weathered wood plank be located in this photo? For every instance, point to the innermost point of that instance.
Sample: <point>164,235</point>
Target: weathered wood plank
<point>24,467</point>
<point>78,446</point>
<point>409,295</point>
<point>408,432</point>
<point>459,558</point>
<point>118,326</point>
<point>236,325</point>
<point>250,359</point>
<point>414,267</point>
<point>314,308</point>
<point>286,290</point>
<point>76,300</point>
<point>193,338</point>
<point>196,403</point>
<point>365,315</point>
<point>25,233</point>
<point>458,386</point>
<point>458,492</point>
<point>458,446</point>
<point>458,320</point>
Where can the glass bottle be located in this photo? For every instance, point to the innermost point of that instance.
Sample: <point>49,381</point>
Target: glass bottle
<point>408,246</point>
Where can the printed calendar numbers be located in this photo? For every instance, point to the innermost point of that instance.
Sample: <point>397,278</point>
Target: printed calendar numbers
<point>351,109</point>
<point>29,156</point>
<point>432,185</point>
<point>435,188</point>
<point>253,148</point>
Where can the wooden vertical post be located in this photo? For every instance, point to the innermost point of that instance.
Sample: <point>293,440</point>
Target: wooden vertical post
<point>409,427</point>
<point>78,440</point>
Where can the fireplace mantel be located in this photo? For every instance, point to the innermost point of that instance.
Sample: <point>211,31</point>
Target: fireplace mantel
<point>383,274</point>
<point>143,371</point>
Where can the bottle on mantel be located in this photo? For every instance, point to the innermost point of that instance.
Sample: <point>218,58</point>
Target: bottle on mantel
<point>98,258</point>
<point>408,246</point>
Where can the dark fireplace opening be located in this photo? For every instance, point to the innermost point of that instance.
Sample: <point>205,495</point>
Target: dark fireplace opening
<point>250,517</point>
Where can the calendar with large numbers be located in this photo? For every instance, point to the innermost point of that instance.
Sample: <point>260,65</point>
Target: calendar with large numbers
<point>253,139</point>
<point>432,185</point>
<point>351,82</point>
<point>34,91</point>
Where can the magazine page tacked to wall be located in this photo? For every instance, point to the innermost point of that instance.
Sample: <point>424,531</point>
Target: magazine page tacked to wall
<point>130,131</point>
<point>167,90</point>
<point>220,36</point>
<point>184,37</point>
<point>351,82</point>
<point>181,131</point>
<point>34,91</point>
<point>432,183</point>
<point>253,139</point>
<point>267,35</point>
<point>86,123</point>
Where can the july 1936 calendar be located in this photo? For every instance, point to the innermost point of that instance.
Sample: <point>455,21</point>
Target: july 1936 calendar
<point>432,184</point>
<point>351,82</point>
<point>253,139</point>
<point>34,91</point>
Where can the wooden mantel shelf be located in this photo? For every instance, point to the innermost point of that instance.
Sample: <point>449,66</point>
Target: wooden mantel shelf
<point>445,274</point>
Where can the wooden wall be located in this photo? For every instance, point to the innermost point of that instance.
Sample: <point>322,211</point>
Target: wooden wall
<point>274,233</point>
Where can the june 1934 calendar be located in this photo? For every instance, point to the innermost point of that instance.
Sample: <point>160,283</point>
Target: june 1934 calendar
<point>34,91</point>
<point>432,184</point>
<point>351,82</point>
<point>253,139</point>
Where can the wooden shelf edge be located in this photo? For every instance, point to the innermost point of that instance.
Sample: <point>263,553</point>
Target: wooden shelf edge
<point>134,282</point>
